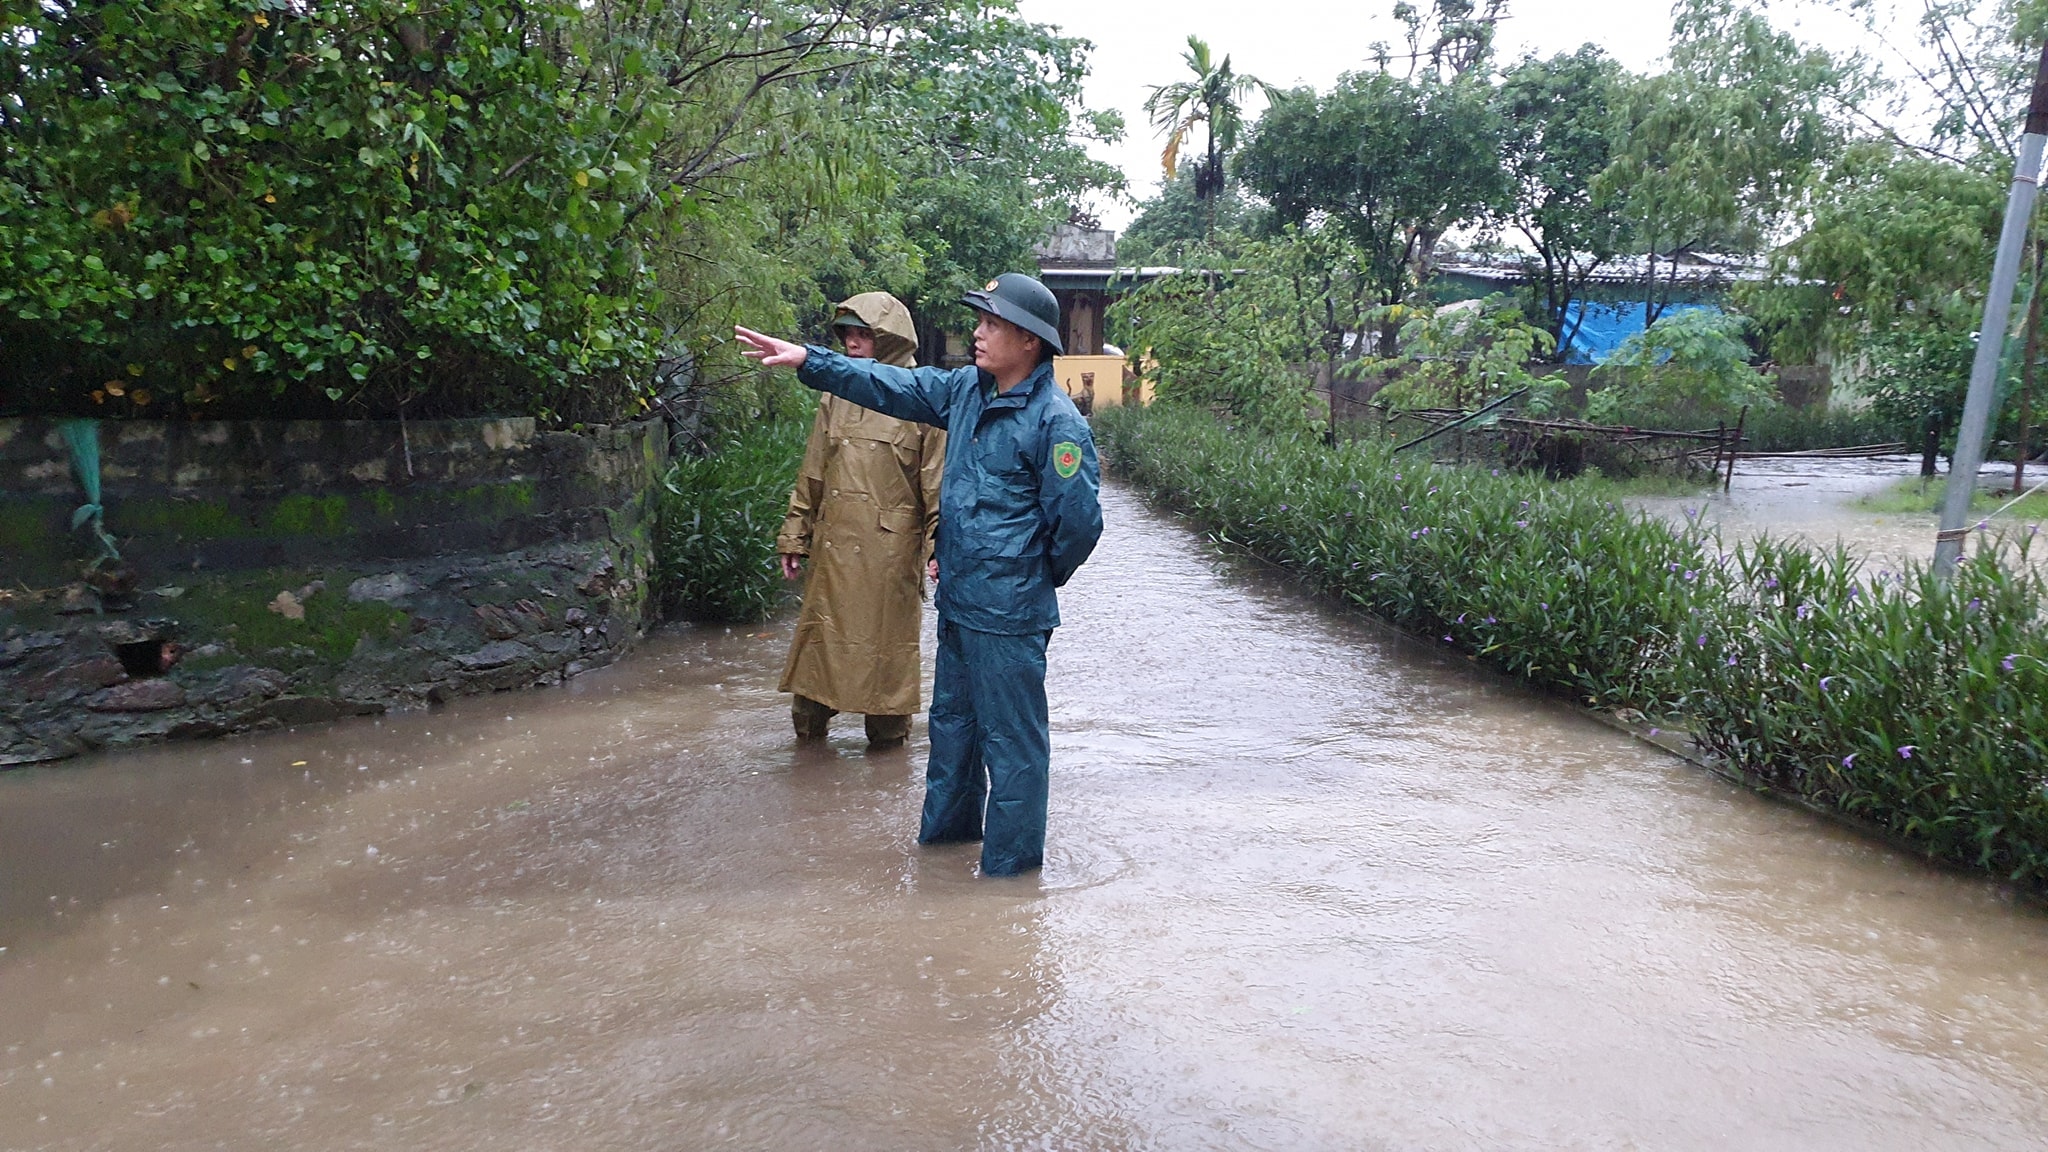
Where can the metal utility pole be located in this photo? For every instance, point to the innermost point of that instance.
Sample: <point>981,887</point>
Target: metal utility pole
<point>2005,275</point>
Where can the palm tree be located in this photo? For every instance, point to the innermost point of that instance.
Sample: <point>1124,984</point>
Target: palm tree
<point>1211,99</point>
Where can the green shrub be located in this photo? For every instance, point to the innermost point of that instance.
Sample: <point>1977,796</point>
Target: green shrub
<point>1690,360</point>
<point>1917,704</point>
<point>253,206</point>
<point>715,544</point>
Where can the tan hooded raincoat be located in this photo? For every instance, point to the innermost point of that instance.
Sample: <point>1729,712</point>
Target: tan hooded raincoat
<point>864,511</point>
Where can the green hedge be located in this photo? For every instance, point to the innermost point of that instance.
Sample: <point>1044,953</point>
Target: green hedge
<point>1919,705</point>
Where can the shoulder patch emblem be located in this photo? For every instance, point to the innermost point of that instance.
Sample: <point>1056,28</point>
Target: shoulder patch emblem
<point>1066,459</point>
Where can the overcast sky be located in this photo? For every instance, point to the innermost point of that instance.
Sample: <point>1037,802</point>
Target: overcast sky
<point>1139,43</point>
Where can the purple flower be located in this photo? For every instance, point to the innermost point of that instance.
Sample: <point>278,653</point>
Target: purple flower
<point>1849,761</point>
<point>1855,590</point>
<point>1283,507</point>
<point>1906,751</point>
<point>1771,583</point>
<point>2007,662</point>
<point>1397,475</point>
<point>1672,567</point>
<point>1447,638</point>
<point>1825,681</point>
<point>1496,471</point>
<point>1691,512</point>
<point>1689,574</point>
<point>1804,611</point>
<point>1490,620</point>
<point>1414,535</point>
<point>1983,524</point>
<point>1702,641</point>
<point>1431,492</point>
<point>1545,607</point>
<point>1731,661</point>
<point>1521,523</point>
<point>1654,731</point>
<point>1974,604</point>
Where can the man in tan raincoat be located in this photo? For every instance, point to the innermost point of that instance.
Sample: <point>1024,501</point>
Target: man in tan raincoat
<point>864,510</point>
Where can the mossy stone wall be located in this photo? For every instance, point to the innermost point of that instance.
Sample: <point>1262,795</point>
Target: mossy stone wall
<point>286,571</point>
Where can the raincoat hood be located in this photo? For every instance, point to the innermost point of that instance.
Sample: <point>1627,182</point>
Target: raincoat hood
<point>895,335</point>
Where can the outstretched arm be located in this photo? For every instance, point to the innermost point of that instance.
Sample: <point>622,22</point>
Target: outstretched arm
<point>922,395</point>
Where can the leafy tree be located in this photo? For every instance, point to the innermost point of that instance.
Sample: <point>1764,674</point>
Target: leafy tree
<point>1171,222</point>
<point>1689,362</point>
<point>979,113</point>
<point>1896,240</point>
<point>1390,164</point>
<point>1470,354</point>
<point>369,207</point>
<point>1714,153</point>
<point>1919,374</point>
<point>351,198</point>
<point>1220,340</point>
<point>1559,121</point>
<point>1213,98</point>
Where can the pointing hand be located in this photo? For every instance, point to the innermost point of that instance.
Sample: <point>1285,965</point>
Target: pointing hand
<point>772,353</point>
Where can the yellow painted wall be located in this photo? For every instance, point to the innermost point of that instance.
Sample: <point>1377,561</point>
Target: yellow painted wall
<point>1110,387</point>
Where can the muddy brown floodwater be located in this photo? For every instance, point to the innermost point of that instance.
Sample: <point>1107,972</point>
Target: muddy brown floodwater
<point>1309,886</point>
<point>1817,500</point>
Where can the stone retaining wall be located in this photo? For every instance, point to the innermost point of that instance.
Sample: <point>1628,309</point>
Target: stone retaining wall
<point>278,572</point>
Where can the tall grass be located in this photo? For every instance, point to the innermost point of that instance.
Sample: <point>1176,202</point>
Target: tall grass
<point>1916,704</point>
<point>715,538</point>
<point>1788,429</point>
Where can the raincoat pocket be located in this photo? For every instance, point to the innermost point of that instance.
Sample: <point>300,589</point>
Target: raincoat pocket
<point>900,521</point>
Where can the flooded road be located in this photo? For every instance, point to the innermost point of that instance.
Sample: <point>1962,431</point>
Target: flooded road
<point>1308,887</point>
<point>1819,500</point>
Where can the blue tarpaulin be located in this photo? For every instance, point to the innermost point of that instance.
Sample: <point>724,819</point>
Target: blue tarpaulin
<point>1605,326</point>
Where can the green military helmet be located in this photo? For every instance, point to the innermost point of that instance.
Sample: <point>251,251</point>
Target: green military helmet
<point>1023,301</point>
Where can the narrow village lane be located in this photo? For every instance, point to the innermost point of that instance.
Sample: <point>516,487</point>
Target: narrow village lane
<point>1309,886</point>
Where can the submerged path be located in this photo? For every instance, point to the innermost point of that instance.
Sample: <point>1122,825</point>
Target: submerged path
<point>1308,887</point>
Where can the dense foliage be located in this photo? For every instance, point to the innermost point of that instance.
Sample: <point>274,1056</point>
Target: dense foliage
<point>377,207</point>
<point>1919,705</point>
<point>1846,213</point>
<point>715,542</point>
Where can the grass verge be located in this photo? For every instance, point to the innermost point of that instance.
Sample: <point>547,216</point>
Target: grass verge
<point>1922,495</point>
<point>1915,704</point>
